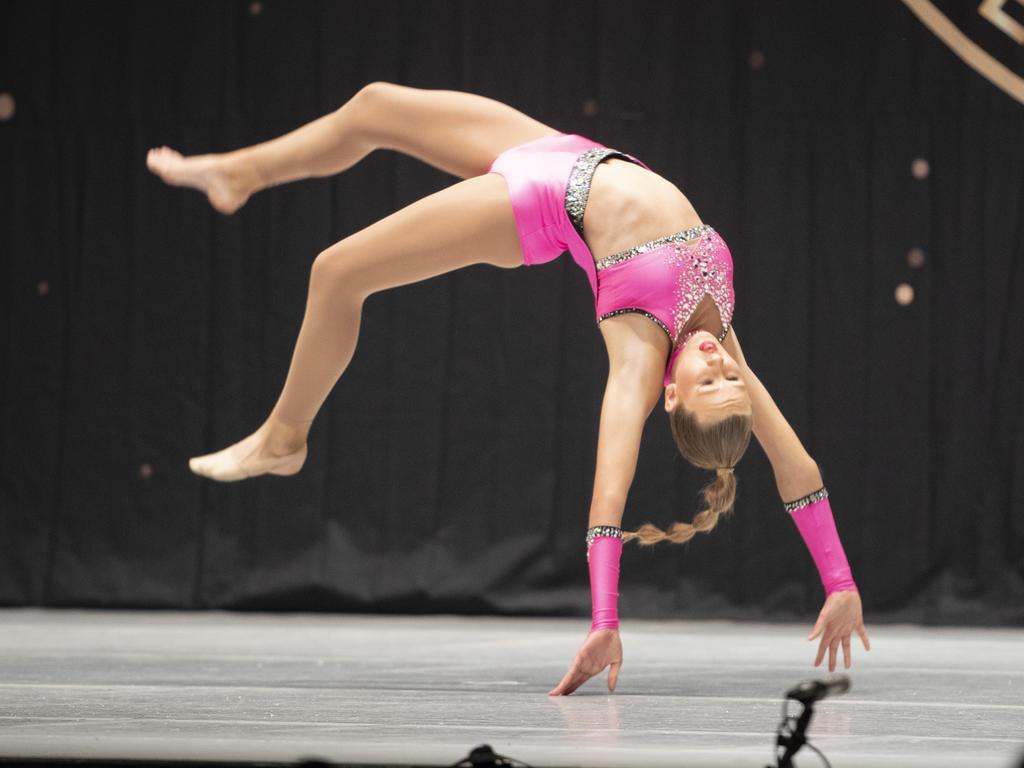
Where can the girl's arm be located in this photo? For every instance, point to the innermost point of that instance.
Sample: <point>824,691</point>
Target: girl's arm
<point>796,473</point>
<point>799,482</point>
<point>629,398</point>
<point>637,350</point>
<point>800,485</point>
<point>636,365</point>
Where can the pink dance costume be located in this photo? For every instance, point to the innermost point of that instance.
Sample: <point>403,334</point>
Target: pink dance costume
<point>664,279</point>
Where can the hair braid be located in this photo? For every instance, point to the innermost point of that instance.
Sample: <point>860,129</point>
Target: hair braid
<point>718,495</point>
<point>717,446</point>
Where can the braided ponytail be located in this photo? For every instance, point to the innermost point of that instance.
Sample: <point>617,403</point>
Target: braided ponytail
<point>717,446</point>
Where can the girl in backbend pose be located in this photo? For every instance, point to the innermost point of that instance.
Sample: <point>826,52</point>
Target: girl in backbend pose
<point>662,282</point>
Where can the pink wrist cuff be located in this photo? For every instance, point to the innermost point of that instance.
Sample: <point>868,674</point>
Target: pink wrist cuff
<point>813,517</point>
<point>604,554</point>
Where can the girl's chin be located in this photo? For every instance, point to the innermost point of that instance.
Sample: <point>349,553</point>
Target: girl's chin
<point>698,337</point>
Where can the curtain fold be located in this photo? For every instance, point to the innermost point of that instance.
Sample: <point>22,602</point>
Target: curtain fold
<point>450,469</point>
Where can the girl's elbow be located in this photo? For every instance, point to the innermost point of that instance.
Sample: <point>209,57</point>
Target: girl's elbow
<point>798,479</point>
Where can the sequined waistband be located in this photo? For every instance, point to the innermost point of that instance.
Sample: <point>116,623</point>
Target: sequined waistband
<point>629,253</point>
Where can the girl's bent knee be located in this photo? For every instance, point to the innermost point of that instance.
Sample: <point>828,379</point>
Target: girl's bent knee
<point>373,93</point>
<point>334,270</point>
<point>329,264</point>
<point>368,111</point>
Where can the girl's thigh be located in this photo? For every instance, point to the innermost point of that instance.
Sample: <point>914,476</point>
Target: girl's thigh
<point>460,133</point>
<point>470,222</point>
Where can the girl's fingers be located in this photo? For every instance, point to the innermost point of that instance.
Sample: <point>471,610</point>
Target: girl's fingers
<point>832,640</point>
<point>613,676</point>
<point>565,688</point>
<point>558,689</point>
<point>573,679</point>
<point>821,651</point>
<point>864,637</point>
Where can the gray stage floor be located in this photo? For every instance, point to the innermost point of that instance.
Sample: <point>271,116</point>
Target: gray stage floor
<point>425,690</point>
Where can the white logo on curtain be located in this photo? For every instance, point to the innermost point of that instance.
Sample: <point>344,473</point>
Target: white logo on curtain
<point>988,36</point>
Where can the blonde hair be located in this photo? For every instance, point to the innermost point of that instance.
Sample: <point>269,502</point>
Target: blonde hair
<point>718,446</point>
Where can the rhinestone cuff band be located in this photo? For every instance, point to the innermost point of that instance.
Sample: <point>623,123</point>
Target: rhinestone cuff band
<point>636,250</point>
<point>806,501</point>
<point>602,530</point>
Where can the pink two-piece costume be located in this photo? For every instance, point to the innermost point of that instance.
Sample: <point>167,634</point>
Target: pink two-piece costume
<point>664,280</point>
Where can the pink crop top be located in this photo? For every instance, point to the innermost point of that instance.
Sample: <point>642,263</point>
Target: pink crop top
<point>664,279</point>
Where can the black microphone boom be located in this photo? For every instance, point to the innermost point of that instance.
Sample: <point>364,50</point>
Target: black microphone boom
<point>810,691</point>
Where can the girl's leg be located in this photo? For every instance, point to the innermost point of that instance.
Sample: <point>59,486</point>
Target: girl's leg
<point>460,133</point>
<point>468,223</point>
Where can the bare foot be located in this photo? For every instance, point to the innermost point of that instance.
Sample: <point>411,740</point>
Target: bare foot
<point>227,185</point>
<point>252,456</point>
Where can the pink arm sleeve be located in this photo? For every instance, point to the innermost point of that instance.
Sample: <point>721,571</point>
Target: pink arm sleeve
<point>604,554</point>
<point>813,517</point>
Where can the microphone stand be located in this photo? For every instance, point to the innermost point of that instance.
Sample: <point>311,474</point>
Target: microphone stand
<point>792,737</point>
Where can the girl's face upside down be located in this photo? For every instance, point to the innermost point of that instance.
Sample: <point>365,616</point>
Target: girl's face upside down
<point>707,381</point>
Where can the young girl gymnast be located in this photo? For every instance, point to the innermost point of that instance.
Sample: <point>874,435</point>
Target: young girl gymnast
<point>662,284</point>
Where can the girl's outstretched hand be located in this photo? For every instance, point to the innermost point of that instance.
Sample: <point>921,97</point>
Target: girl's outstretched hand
<point>601,648</point>
<point>839,618</point>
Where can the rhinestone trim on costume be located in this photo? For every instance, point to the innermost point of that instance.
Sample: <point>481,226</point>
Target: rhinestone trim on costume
<point>806,501</point>
<point>643,312</point>
<point>629,253</point>
<point>701,273</point>
<point>603,530</point>
<point>578,189</point>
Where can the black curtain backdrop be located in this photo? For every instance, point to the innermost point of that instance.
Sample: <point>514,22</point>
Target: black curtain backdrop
<point>450,469</point>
